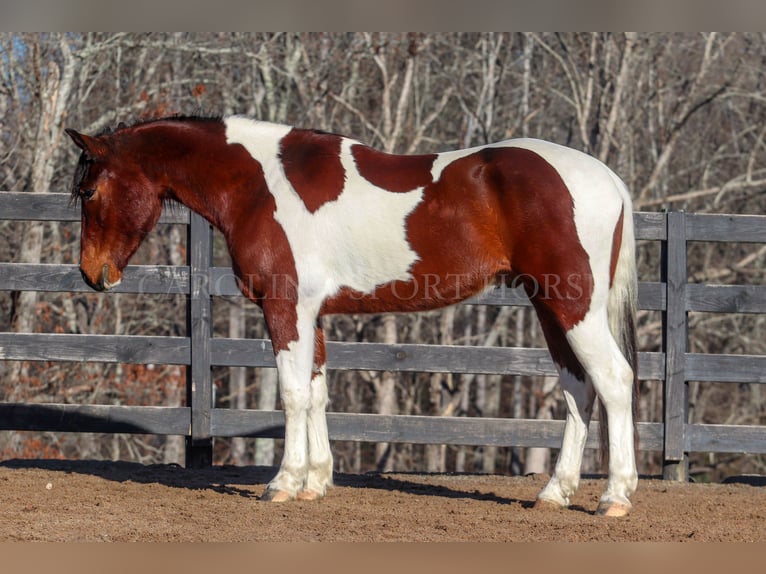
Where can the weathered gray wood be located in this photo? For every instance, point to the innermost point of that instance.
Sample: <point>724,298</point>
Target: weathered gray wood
<point>421,429</point>
<point>95,418</point>
<point>675,341</point>
<point>242,353</point>
<point>155,279</point>
<point>247,423</point>
<point>651,436</point>
<point>405,358</point>
<point>650,225</point>
<point>15,205</point>
<point>501,295</point>
<point>726,298</point>
<point>223,282</point>
<point>37,206</point>
<point>651,366</point>
<point>652,296</point>
<point>440,358</point>
<point>199,444</point>
<point>726,368</point>
<point>97,348</point>
<point>415,358</point>
<point>726,438</point>
<point>726,228</point>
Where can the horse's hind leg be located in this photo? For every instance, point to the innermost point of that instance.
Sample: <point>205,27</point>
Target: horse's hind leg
<point>579,395</point>
<point>612,376</point>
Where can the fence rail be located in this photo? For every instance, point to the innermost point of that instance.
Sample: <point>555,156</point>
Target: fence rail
<point>673,296</point>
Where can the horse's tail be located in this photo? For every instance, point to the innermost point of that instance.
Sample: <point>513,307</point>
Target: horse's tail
<point>621,311</point>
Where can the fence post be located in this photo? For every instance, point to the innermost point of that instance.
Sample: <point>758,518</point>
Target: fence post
<point>674,342</point>
<point>199,395</point>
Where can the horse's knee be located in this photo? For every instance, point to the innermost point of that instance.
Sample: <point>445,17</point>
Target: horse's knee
<point>296,398</point>
<point>318,392</point>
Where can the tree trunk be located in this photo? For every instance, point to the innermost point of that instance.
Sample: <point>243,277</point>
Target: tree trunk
<point>238,379</point>
<point>385,398</point>
<point>53,89</point>
<point>175,391</point>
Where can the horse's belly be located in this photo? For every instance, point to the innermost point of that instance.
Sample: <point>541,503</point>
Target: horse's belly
<point>423,292</point>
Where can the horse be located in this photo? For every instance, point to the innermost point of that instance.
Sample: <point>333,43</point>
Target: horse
<point>320,224</point>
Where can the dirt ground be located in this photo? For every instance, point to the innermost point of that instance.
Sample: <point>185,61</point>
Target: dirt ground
<point>53,500</point>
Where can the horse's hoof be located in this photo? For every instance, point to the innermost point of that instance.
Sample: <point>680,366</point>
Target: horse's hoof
<point>547,504</point>
<point>309,495</point>
<point>612,509</point>
<point>272,495</point>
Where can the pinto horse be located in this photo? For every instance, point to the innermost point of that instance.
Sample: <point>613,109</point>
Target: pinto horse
<point>319,224</point>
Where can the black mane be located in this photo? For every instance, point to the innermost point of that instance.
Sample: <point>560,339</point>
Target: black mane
<point>171,118</point>
<point>79,174</point>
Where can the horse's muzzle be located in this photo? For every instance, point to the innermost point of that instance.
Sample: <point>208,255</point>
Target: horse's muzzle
<point>103,283</point>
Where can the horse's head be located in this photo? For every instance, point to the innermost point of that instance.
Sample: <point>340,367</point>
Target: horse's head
<point>120,205</point>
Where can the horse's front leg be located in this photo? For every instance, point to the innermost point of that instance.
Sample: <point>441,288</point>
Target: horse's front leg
<point>292,334</point>
<point>320,456</point>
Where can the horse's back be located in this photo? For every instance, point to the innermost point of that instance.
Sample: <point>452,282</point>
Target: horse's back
<point>586,177</point>
<point>535,184</point>
<point>562,217</point>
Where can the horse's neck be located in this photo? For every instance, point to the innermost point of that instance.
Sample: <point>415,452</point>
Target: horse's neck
<point>211,177</point>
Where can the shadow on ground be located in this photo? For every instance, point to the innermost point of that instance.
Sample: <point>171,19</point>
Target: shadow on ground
<point>232,480</point>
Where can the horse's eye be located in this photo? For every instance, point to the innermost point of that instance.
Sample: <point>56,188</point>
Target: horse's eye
<point>87,193</point>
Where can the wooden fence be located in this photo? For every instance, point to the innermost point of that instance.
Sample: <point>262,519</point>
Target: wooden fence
<point>673,296</point>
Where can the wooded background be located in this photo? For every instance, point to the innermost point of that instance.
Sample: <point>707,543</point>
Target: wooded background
<point>679,116</point>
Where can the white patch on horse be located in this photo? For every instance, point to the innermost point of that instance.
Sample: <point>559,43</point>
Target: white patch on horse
<point>358,240</point>
<point>596,206</point>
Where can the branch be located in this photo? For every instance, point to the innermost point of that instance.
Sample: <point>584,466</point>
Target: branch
<point>362,117</point>
<point>728,186</point>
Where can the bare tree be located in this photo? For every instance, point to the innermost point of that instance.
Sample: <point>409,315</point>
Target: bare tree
<point>47,79</point>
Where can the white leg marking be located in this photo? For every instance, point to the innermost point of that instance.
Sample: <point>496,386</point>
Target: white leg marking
<point>294,366</point>
<point>579,396</point>
<point>612,378</point>
<point>295,400</point>
<point>320,454</point>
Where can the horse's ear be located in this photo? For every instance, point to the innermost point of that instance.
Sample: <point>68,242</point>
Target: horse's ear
<point>92,147</point>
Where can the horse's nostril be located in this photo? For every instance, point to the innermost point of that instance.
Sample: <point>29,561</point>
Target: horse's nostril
<point>104,281</point>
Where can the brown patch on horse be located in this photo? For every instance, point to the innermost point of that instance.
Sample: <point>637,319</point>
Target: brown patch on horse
<point>616,244</point>
<point>311,160</point>
<point>482,221</point>
<point>558,346</point>
<point>265,271</point>
<point>555,265</point>
<point>397,173</point>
